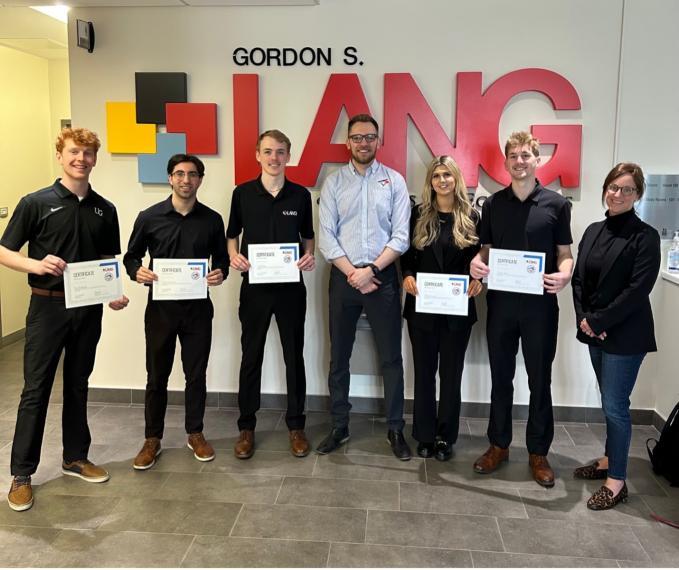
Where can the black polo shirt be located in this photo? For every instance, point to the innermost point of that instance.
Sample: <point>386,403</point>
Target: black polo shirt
<point>539,223</point>
<point>55,222</point>
<point>167,234</point>
<point>265,219</point>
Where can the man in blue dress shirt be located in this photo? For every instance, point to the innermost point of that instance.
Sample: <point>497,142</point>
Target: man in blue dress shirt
<point>364,220</point>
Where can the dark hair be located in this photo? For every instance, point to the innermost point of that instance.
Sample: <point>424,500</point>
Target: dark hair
<point>621,169</point>
<point>179,158</point>
<point>276,135</point>
<point>362,118</point>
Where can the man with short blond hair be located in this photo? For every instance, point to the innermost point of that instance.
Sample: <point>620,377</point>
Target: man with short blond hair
<point>64,223</point>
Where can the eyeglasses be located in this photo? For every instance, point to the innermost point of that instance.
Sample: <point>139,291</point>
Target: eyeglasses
<point>371,138</point>
<point>626,190</point>
<point>180,174</point>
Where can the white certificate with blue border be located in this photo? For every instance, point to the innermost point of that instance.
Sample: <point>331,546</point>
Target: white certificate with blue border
<point>92,282</point>
<point>442,294</point>
<point>179,279</point>
<point>516,271</point>
<point>273,263</point>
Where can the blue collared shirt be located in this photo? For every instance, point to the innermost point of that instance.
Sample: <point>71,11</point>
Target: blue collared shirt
<point>361,215</point>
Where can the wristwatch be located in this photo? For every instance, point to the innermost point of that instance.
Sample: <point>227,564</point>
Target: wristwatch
<point>376,270</point>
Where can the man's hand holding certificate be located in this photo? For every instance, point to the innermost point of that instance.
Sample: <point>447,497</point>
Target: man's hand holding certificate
<point>442,294</point>
<point>92,282</point>
<point>516,271</point>
<point>180,279</point>
<point>273,263</point>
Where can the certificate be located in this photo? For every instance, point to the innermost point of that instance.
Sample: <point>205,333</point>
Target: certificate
<point>92,282</point>
<point>179,279</point>
<point>442,294</point>
<point>516,271</point>
<point>273,262</point>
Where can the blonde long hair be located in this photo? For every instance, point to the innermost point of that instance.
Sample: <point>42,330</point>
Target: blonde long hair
<point>427,226</point>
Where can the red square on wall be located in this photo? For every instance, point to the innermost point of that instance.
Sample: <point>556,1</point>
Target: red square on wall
<point>198,121</point>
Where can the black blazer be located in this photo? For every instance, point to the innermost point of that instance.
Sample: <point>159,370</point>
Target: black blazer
<point>431,259</point>
<point>620,305</point>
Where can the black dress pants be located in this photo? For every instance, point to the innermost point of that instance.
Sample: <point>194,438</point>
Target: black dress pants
<point>164,321</point>
<point>533,319</point>
<point>443,350</point>
<point>51,329</point>
<point>383,309</point>
<point>287,302</point>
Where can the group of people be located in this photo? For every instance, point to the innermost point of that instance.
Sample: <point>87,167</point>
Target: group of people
<point>365,226</point>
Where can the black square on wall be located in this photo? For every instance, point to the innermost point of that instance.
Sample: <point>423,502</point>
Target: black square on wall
<point>153,90</point>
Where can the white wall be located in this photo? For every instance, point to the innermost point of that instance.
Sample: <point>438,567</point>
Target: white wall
<point>433,41</point>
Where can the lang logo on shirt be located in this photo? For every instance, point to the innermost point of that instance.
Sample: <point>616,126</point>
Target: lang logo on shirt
<point>383,182</point>
<point>289,213</point>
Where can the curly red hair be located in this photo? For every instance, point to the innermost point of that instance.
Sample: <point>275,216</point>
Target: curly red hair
<point>80,136</point>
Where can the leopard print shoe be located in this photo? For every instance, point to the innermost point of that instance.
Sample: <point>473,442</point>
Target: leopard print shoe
<point>590,472</point>
<point>604,499</point>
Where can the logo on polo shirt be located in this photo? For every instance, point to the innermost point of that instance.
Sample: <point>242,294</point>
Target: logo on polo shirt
<point>99,211</point>
<point>56,209</point>
<point>289,213</point>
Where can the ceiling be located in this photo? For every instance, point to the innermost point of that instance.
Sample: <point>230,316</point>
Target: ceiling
<point>140,3</point>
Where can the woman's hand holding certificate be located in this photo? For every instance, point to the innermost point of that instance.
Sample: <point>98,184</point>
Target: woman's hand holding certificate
<point>516,271</point>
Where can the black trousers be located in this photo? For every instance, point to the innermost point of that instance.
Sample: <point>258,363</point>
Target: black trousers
<point>51,329</point>
<point>191,322</point>
<point>383,309</point>
<point>533,319</point>
<point>443,350</point>
<point>287,302</point>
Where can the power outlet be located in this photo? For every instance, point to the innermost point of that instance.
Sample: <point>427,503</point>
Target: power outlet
<point>4,212</point>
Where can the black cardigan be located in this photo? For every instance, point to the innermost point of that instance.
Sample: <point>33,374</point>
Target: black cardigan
<point>431,260</point>
<point>620,304</point>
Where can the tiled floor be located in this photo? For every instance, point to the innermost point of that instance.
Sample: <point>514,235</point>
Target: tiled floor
<point>355,508</point>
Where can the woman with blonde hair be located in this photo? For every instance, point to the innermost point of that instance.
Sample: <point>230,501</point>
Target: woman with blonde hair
<point>443,239</point>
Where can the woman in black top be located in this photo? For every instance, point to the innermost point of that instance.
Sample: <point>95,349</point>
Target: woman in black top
<point>443,239</point>
<point>618,263</point>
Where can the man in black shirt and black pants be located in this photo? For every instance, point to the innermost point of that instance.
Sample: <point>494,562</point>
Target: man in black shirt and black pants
<point>179,227</point>
<point>64,223</point>
<point>527,217</point>
<point>271,209</point>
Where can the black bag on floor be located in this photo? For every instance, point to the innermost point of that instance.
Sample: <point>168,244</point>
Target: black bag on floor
<point>665,453</point>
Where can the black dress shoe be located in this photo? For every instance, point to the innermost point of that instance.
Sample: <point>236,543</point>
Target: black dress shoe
<point>335,439</point>
<point>399,446</point>
<point>443,450</point>
<point>425,449</point>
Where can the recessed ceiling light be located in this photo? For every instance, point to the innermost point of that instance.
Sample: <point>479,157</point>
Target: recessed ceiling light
<point>57,12</point>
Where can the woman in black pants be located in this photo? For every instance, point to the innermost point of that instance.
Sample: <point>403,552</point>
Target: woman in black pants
<point>443,239</point>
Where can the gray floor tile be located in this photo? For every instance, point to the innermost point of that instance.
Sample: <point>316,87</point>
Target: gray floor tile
<point>225,488</point>
<point>433,530</point>
<point>343,555</point>
<point>506,560</point>
<point>172,516</point>
<point>372,467</point>
<point>461,500</point>
<point>571,504</point>
<point>666,507</point>
<point>61,511</point>
<point>23,546</point>
<point>583,435</point>
<point>213,552</point>
<point>281,463</point>
<point>566,537</point>
<point>661,543</point>
<point>339,493</point>
<point>301,523</point>
<point>94,549</point>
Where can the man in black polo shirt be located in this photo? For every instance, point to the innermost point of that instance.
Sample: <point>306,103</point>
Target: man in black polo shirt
<point>64,223</point>
<point>271,209</point>
<point>179,227</point>
<point>524,216</point>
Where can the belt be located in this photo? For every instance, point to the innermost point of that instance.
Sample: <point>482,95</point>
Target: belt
<point>47,292</point>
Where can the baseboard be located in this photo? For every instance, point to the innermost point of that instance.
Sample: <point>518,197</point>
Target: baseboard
<point>12,338</point>
<point>367,406</point>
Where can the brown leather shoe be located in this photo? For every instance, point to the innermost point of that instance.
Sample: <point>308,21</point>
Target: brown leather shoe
<point>85,470</point>
<point>491,459</point>
<point>146,458</point>
<point>542,472</point>
<point>20,496</point>
<point>245,446</point>
<point>299,444</point>
<point>202,450</point>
